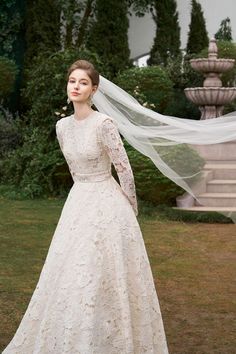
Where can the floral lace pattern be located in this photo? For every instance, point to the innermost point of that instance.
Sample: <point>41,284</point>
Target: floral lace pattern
<point>114,146</point>
<point>95,293</point>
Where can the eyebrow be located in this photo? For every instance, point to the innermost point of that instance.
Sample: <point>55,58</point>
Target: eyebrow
<point>71,77</point>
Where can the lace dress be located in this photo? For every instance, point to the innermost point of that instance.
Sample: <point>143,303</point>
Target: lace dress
<point>95,293</point>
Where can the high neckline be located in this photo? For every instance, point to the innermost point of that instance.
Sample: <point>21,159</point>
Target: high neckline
<point>84,119</point>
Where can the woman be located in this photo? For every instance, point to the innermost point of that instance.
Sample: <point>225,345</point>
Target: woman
<point>95,294</point>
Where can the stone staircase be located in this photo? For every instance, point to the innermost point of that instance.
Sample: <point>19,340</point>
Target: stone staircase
<point>218,191</point>
<point>221,190</point>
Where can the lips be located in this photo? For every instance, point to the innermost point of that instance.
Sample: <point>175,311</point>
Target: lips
<point>74,93</point>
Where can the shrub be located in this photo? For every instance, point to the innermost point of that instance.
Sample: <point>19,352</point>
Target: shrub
<point>151,184</point>
<point>8,72</point>
<point>151,86</point>
<point>37,165</point>
<point>45,90</point>
<point>10,134</point>
<point>182,75</point>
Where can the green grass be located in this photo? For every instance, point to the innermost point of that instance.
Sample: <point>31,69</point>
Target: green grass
<point>193,265</point>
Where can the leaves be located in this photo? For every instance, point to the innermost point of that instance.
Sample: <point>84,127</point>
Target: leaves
<point>197,36</point>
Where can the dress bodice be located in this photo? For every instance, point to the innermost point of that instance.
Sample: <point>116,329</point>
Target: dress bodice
<point>80,145</point>
<point>90,146</point>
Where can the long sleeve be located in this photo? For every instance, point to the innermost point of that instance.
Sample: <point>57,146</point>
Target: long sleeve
<point>114,146</point>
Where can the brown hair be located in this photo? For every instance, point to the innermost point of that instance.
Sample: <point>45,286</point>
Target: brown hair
<point>86,66</point>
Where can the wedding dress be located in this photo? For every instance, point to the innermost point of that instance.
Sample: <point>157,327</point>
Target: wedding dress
<point>95,293</point>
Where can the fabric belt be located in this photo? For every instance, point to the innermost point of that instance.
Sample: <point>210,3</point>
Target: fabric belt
<point>91,177</point>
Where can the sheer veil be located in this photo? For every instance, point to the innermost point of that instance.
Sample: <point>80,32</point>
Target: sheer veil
<point>180,148</point>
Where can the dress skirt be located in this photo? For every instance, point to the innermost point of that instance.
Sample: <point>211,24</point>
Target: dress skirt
<point>95,293</point>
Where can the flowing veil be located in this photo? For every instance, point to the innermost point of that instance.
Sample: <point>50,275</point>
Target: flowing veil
<point>179,148</point>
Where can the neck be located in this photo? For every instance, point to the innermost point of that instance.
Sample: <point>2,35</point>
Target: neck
<point>81,110</point>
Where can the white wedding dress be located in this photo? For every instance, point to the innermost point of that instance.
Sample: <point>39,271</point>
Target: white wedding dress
<point>95,294</point>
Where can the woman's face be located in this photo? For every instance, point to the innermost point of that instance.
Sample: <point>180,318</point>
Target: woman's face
<point>79,86</point>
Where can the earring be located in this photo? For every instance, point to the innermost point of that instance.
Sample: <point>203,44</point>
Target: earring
<point>68,100</point>
<point>90,102</point>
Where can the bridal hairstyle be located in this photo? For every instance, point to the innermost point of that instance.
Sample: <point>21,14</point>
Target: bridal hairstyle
<point>87,67</point>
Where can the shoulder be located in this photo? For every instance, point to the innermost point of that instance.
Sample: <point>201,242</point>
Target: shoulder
<point>107,128</point>
<point>106,121</point>
<point>63,122</point>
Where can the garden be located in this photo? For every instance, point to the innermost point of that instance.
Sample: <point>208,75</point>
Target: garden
<point>192,255</point>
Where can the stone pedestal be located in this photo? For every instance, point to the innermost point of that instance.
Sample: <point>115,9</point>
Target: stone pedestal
<point>217,189</point>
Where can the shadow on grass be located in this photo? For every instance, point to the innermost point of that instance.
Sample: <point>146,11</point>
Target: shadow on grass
<point>164,212</point>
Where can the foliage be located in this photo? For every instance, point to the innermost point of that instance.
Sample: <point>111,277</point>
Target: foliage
<point>167,40</point>
<point>182,75</point>
<point>180,106</point>
<point>12,46</point>
<point>109,36</point>
<point>151,184</point>
<point>37,165</point>
<point>197,36</point>
<point>77,18</point>
<point>8,72</point>
<point>47,95</point>
<point>162,89</point>
<point>42,21</point>
<point>10,135</point>
<point>224,33</point>
<point>151,86</point>
<point>33,166</point>
<point>10,24</point>
<point>140,7</point>
<point>167,213</point>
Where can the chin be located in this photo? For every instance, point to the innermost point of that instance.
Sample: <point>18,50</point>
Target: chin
<point>77,99</point>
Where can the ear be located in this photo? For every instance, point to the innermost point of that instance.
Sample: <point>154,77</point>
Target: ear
<point>95,87</point>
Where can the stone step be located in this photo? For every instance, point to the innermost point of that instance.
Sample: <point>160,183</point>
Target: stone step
<point>221,186</point>
<point>219,152</point>
<point>217,199</point>
<point>208,208</point>
<point>221,162</point>
<point>222,171</point>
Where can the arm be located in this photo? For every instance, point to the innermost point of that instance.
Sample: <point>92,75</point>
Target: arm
<point>59,134</point>
<point>114,146</point>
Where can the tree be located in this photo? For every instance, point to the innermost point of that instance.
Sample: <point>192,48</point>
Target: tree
<point>167,40</point>
<point>12,46</point>
<point>197,36</point>
<point>42,24</point>
<point>109,35</point>
<point>76,19</point>
<point>10,26</point>
<point>140,7</point>
<point>225,31</point>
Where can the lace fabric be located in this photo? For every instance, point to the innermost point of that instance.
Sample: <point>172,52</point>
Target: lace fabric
<point>114,146</point>
<point>95,293</point>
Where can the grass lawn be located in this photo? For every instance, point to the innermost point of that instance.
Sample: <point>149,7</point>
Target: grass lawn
<point>193,266</point>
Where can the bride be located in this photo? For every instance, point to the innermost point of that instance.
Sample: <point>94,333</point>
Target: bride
<point>95,293</point>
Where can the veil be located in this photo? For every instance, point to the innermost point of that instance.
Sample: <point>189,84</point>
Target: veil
<point>190,153</point>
